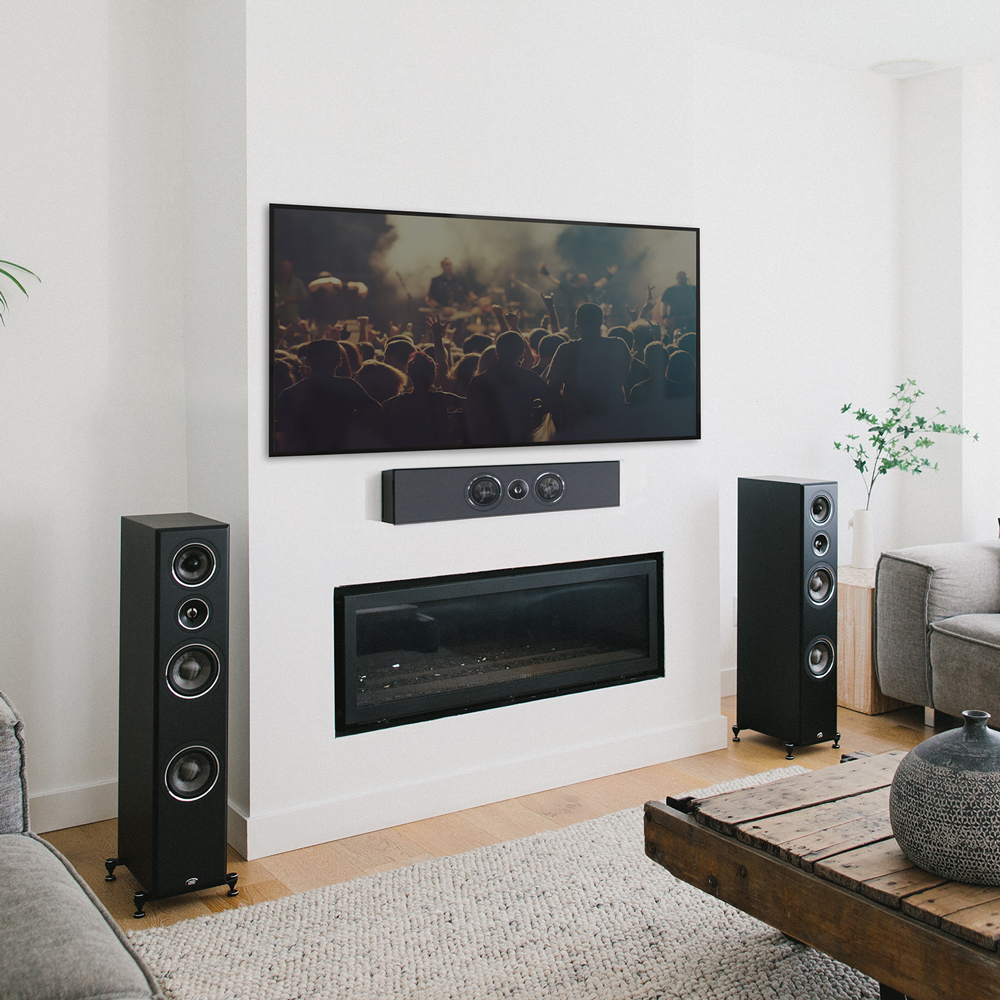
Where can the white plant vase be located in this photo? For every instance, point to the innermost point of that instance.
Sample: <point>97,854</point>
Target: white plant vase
<point>862,540</point>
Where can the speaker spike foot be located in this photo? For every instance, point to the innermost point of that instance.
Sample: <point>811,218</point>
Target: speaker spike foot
<point>736,734</point>
<point>111,864</point>
<point>231,879</point>
<point>789,747</point>
<point>139,899</point>
<point>836,741</point>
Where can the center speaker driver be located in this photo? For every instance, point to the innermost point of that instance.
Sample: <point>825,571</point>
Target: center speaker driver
<point>786,650</point>
<point>173,705</point>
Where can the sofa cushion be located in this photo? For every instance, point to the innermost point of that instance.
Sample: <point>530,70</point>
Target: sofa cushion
<point>920,585</point>
<point>13,785</point>
<point>56,940</point>
<point>965,656</point>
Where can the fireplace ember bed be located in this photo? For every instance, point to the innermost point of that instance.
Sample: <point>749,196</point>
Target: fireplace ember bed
<point>411,650</point>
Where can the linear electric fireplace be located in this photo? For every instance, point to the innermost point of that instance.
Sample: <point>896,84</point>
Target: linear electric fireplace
<point>410,650</point>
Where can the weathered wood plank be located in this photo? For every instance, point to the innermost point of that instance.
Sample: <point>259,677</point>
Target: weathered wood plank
<point>864,830</point>
<point>978,924</point>
<point>918,960</point>
<point>727,811</point>
<point>934,904</point>
<point>891,890</point>
<point>852,868</point>
<point>773,833</point>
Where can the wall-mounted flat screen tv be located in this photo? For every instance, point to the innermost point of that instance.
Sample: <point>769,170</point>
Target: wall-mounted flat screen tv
<point>404,331</point>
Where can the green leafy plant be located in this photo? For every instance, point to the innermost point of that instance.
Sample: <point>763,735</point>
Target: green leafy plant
<point>4,264</point>
<point>898,440</point>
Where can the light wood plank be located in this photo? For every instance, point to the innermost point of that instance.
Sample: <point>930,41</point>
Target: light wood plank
<point>447,835</point>
<point>383,850</point>
<point>509,819</point>
<point>564,805</point>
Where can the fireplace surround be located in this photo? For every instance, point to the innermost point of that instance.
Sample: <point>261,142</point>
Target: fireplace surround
<point>412,650</point>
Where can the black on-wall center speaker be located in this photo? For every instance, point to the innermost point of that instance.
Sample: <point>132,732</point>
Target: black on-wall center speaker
<point>173,705</point>
<point>786,651</point>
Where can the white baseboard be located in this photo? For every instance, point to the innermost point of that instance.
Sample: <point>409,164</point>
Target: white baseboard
<point>729,682</point>
<point>73,806</point>
<point>99,801</point>
<point>317,823</point>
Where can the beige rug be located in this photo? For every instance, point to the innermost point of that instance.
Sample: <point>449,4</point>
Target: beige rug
<point>574,914</point>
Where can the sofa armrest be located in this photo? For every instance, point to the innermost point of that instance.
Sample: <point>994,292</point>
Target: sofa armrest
<point>13,778</point>
<point>920,585</point>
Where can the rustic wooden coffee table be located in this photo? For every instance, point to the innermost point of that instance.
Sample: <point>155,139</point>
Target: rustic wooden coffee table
<point>813,855</point>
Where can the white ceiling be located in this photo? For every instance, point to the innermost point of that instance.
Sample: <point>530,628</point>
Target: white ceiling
<point>850,34</point>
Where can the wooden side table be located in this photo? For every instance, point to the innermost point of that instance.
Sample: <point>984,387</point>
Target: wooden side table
<point>857,687</point>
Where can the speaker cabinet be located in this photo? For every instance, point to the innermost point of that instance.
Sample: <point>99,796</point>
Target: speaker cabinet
<point>173,704</point>
<point>410,496</point>
<point>786,677</point>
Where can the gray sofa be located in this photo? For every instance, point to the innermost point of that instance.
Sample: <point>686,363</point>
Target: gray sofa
<point>57,942</point>
<point>937,626</point>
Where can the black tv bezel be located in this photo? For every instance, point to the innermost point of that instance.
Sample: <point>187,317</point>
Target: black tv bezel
<point>273,207</point>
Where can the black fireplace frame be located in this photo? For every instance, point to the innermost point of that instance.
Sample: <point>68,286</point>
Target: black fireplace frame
<point>350,718</point>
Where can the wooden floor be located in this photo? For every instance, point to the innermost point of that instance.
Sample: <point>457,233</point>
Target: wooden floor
<point>283,874</point>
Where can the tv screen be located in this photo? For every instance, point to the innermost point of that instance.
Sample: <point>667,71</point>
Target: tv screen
<point>403,331</point>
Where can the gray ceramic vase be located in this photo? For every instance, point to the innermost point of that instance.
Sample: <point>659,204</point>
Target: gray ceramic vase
<point>944,806</point>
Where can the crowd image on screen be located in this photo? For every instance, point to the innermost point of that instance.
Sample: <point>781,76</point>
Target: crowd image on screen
<point>539,358</point>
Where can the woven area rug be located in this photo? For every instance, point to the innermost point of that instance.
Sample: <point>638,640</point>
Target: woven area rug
<point>574,914</point>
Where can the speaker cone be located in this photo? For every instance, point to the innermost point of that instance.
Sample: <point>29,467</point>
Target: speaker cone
<point>549,487</point>
<point>820,585</point>
<point>821,508</point>
<point>191,773</point>
<point>192,671</point>
<point>821,544</point>
<point>484,492</point>
<point>193,613</point>
<point>819,658</point>
<point>193,565</point>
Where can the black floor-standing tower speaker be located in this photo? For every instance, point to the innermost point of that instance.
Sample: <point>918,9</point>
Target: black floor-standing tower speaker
<point>786,653</point>
<point>173,705</point>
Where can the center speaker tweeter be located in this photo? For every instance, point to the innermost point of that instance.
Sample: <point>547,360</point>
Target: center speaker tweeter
<point>786,651</point>
<point>173,705</point>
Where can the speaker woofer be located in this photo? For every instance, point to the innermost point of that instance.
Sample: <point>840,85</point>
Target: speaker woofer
<point>192,671</point>
<point>820,585</point>
<point>484,492</point>
<point>549,487</point>
<point>820,657</point>
<point>193,565</point>
<point>821,508</point>
<point>191,773</point>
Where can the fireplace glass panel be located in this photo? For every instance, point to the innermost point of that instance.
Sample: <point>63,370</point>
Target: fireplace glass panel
<point>457,643</point>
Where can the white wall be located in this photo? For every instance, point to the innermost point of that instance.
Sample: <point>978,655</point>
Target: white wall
<point>790,172</point>
<point>931,259</point>
<point>91,376</point>
<point>980,316</point>
<point>950,266</point>
<point>212,69</point>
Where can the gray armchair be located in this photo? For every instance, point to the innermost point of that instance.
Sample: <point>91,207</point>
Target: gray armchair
<point>937,626</point>
<point>57,942</point>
